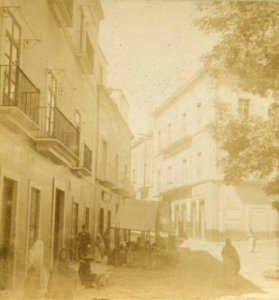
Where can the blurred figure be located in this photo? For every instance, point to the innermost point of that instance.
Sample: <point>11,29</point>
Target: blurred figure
<point>36,278</point>
<point>251,240</point>
<point>99,248</point>
<point>63,280</point>
<point>83,242</point>
<point>84,271</point>
<point>107,240</point>
<point>231,264</point>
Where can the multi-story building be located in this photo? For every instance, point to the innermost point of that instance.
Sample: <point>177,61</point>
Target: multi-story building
<point>50,68</point>
<point>113,157</point>
<point>186,172</point>
<point>142,166</point>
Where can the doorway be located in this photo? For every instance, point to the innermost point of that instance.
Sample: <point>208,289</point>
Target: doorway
<point>193,219</point>
<point>58,223</point>
<point>202,220</point>
<point>7,236</point>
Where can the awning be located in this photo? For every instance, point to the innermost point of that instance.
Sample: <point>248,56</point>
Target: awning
<point>137,215</point>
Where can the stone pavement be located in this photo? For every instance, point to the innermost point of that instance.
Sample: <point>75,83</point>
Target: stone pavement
<point>253,265</point>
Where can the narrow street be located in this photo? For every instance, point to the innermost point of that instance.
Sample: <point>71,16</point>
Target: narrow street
<point>197,275</point>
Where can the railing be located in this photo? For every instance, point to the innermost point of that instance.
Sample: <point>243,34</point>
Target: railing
<point>18,90</point>
<point>54,124</point>
<point>69,5</point>
<point>87,157</point>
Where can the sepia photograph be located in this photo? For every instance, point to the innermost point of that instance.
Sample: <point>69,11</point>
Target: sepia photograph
<point>139,149</point>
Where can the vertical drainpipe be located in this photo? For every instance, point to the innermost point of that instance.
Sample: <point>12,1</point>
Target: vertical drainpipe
<point>95,192</point>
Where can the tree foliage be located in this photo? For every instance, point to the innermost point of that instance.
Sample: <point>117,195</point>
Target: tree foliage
<point>248,49</point>
<point>249,41</point>
<point>250,147</point>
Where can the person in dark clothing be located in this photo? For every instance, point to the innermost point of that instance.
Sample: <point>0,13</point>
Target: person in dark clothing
<point>231,264</point>
<point>86,277</point>
<point>84,241</point>
<point>106,238</point>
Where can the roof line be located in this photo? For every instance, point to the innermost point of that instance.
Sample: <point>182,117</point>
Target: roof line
<point>178,92</point>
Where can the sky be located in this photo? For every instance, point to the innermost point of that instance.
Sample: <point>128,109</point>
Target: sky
<point>152,48</point>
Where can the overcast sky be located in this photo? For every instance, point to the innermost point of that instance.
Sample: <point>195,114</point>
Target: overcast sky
<point>152,48</point>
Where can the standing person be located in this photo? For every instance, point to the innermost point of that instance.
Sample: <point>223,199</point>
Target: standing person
<point>83,242</point>
<point>231,264</point>
<point>99,248</point>
<point>63,280</point>
<point>106,238</point>
<point>251,240</point>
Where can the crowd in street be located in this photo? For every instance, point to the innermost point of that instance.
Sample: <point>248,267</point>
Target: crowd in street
<point>65,278</point>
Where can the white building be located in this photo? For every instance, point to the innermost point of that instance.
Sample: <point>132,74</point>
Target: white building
<point>185,168</point>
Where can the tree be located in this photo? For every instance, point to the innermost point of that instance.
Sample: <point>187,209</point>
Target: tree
<point>248,49</point>
<point>249,41</point>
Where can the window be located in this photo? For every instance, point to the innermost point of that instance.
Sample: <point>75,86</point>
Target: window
<point>12,40</point>
<point>51,101</point>
<point>104,157</point>
<point>169,175</point>
<point>34,216</point>
<point>184,170</point>
<point>116,167</point>
<point>144,173</point>
<point>134,176</point>
<point>199,164</point>
<point>243,107</point>
<point>11,59</point>
<point>87,217</point>
<point>101,220</point>
<point>109,219</point>
<point>75,220</point>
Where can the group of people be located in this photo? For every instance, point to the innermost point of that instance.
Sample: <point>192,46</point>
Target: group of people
<point>63,280</point>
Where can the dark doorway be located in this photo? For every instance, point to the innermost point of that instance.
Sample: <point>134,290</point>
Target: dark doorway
<point>58,223</point>
<point>101,221</point>
<point>7,236</point>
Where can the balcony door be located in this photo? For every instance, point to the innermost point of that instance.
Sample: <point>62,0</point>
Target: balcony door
<point>51,103</point>
<point>11,59</point>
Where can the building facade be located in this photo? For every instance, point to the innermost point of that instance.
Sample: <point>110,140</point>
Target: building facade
<point>50,68</point>
<point>113,158</point>
<point>142,166</point>
<point>186,173</point>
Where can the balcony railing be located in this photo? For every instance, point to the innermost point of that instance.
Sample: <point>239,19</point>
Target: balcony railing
<point>54,124</point>
<point>87,158</point>
<point>63,11</point>
<point>19,91</point>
